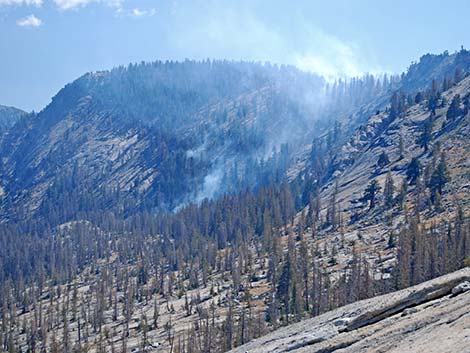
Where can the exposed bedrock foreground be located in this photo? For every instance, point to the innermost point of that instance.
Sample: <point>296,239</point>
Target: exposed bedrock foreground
<point>431,317</point>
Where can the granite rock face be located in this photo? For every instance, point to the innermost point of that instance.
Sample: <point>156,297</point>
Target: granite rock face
<point>431,317</point>
<point>461,288</point>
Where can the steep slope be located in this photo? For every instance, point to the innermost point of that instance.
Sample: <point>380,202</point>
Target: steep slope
<point>83,155</point>
<point>155,136</point>
<point>159,135</point>
<point>357,164</point>
<point>9,116</point>
<point>430,317</point>
<point>101,271</point>
<point>430,70</point>
<point>435,67</point>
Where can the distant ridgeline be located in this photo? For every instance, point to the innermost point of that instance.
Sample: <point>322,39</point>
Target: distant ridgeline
<point>159,135</point>
<point>9,116</point>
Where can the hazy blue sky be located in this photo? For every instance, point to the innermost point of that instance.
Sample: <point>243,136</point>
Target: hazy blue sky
<point>46,43</point>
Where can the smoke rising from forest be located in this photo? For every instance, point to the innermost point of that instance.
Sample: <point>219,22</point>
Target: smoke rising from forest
<point>238,32</point>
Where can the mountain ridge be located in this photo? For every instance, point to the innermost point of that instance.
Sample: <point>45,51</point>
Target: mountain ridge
<point>305,218</point>
<point>241,132</point>
<point>9,116</point>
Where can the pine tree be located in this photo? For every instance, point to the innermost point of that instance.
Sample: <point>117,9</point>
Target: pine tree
<point>413,172</point>
<point>156,313</point>
<point>370,193</point>
<point>454,110</point>
<point>418,97</point>
<point>458,75</point>
<point>389,190</point>
<point>466,103</point>
<point>426,134</point>
<point>395,110</point>
<point>446,84</point>
<point>401,148</point>
<point>383,160</point>
<point>439,178</point>
<point>391,240</point>
<point>332,214</point>
<point>304,266</point>
<point>311,216</point>
<point>434,97</point>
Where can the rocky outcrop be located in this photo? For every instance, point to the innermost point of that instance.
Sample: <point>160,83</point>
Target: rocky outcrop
<point>461,288</point>
<point>9,116</point>
<point>430,317</point>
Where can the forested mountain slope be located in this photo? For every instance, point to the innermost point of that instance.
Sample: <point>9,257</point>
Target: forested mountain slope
<point>398,165</point>
<point>366,192</point>
<point>435,67</point>
<point>159,135</point>
<point>149,135</point>
<point>156,136</point>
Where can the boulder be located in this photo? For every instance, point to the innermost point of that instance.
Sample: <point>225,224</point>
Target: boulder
<point>461,288</point>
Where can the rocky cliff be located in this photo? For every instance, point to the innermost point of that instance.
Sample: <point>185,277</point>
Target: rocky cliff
<point>430,317</point>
